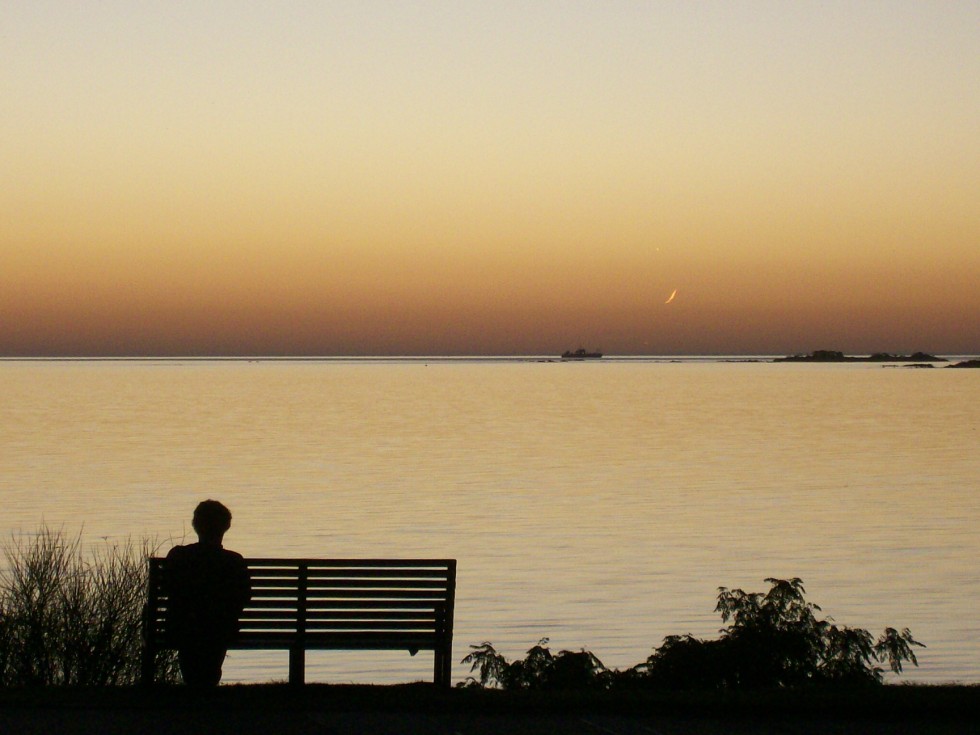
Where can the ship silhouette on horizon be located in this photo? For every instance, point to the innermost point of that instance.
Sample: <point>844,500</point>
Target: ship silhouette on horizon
<point>580,354</point>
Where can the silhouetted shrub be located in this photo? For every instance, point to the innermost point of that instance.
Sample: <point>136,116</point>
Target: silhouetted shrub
<point>776,640</point>
<point>683,661</point>
<point>68,619</point>
<point>540,669</point>
<point>773,640</point>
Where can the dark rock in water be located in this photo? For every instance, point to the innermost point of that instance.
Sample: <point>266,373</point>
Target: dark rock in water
<point>836,356</point>
<point>817,356</point>
<point>914,357</point>
<point>966,364</point>
<point>581,354</point>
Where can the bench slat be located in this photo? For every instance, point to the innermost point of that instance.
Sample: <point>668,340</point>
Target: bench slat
<point>348,604</point>
<point>341,642</point>
<point>250,615</point>
<point>329,584</point>
<point>338,625</point>
<point>326,597</point>
<point>342,573</point>
<point>256,562</point>
<point>291,608</point>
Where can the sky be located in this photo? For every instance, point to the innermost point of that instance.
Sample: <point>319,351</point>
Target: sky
<point>452,178</point>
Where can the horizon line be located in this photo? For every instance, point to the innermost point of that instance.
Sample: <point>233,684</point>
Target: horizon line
<point>467,356</point>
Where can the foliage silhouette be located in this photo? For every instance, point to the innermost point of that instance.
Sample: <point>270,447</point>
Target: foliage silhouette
<point>773,640</point>
<point>71,619</point>
<point>540,669</point>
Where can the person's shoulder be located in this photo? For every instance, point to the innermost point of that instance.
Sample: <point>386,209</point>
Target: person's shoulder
<point>233,556</point>
<point>236,565</point>
<point>178,552</point>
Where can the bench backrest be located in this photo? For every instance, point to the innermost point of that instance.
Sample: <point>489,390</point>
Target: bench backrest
<point>383,604</point>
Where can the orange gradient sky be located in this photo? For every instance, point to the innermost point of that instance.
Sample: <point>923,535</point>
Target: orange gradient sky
<point>489,178</point>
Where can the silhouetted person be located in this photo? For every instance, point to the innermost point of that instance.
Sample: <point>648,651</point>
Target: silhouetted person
<point>208,587</point>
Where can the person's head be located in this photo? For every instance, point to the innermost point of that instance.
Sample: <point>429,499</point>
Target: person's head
<point>211,520</point>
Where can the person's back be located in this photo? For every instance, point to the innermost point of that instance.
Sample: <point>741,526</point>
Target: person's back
<point>207,587</point>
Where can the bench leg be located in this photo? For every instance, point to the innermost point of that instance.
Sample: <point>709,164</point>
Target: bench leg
<point>297,665</point>
<point>442,673</point>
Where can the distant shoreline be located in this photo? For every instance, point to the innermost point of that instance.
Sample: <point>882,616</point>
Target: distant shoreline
<point>922,359</point>
<point>917,359</point>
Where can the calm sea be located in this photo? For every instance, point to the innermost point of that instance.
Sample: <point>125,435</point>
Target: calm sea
<point>598,504</point>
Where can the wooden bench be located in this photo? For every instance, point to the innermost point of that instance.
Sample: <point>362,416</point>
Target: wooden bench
<point>331,604</point>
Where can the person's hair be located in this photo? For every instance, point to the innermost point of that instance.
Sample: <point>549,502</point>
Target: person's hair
<point>211,519</point>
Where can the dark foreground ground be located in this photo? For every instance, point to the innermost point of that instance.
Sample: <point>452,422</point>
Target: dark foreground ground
<point>420,709</point>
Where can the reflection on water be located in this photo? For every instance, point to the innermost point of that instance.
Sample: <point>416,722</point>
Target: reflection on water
<point>598,504</point>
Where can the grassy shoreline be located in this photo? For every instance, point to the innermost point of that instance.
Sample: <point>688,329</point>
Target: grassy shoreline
<point>900,700</point>
<point>422,709</point>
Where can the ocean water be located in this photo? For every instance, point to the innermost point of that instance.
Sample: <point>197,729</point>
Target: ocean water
<point>599,504</point>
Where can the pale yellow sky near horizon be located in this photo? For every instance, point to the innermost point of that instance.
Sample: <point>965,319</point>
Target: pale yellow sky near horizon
<point>489,178</point>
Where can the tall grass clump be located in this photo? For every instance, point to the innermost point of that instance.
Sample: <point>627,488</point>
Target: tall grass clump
<point>72,619</point>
